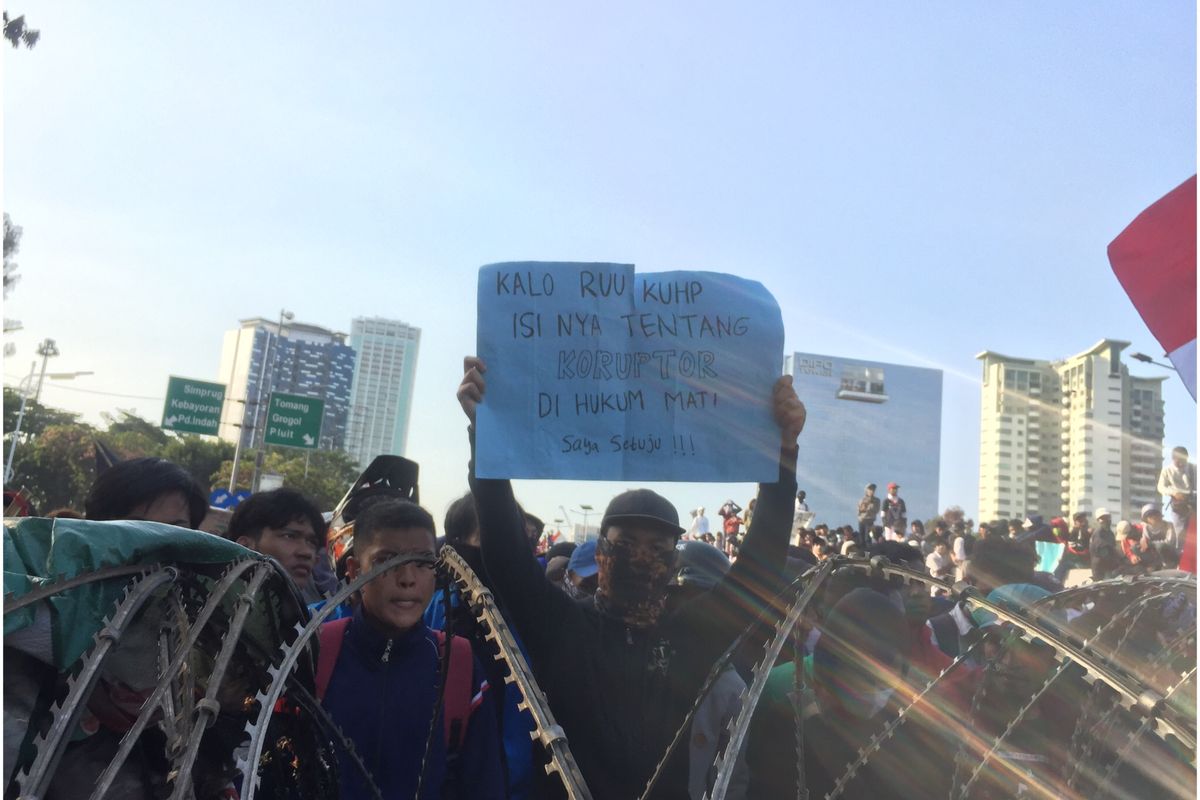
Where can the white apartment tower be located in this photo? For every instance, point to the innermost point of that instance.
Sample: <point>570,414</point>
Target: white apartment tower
<point>384,377</point>
<point>1058,437</point>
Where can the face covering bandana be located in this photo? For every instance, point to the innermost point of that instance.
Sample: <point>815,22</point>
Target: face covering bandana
<point>633,581</point>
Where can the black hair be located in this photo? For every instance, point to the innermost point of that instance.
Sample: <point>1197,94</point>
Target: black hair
<point>1180,450</point>
<point>560,549</point>
<point>64,513</point>
<point>899,553</point>
<point>389,515</point>
<point>274,509</point>
<point>461,520</point>
<point>997,562</point>
<point>128,484</point>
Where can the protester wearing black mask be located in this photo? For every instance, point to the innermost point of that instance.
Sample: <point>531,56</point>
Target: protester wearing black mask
<point>621,673</point>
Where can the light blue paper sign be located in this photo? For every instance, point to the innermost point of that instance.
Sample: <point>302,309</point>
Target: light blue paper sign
<point>1049,555</point>
<point>598,373</point>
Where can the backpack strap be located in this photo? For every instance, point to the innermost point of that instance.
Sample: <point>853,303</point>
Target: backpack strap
<point>330,638</point>
<point>459,701</point>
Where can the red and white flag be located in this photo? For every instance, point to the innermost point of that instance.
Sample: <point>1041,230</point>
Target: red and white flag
<point>1155,261</point>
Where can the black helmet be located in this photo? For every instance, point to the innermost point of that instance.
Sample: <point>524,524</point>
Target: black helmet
<point>700,565</point>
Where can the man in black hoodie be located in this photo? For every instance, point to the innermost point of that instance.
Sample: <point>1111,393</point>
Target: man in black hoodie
<point>620,674</point>
<point>860,665</point>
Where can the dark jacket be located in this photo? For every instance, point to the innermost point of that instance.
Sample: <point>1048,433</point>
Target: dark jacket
<point>868,509</point>
<point>515,724</point>
<point>385,708</point>
<point>895,513</point>
<point>619,692</point>
<point>1105,555</point>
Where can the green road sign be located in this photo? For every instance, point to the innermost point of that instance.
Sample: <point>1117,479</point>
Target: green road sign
<point>294,420</point>
<point>193,406</point>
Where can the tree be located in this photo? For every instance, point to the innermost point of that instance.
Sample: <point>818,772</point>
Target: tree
<point>953,514</point>
<point>329,473</point>
<point>133,437</point>
<point>12,245</point>
<point>202,458</point>
<point>57,466</point>
<point>37,416</point>
<point>17,34</point>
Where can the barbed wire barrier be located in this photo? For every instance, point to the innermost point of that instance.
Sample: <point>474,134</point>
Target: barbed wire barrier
<point>225,656</point>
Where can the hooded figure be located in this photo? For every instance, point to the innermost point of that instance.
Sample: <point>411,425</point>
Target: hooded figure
<point>859,672</point>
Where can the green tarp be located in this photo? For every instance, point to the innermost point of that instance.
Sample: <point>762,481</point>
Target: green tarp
<point>38,551</point>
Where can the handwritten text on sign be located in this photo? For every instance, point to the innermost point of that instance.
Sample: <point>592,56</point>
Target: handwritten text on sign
<point>595,372</point>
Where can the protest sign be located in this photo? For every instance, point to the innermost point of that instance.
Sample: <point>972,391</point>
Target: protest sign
<point>595,372</point>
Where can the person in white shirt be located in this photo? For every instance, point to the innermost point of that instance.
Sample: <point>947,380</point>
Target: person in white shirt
<point>1178,482</point>
<point>958,552</point>
<point>940,564</point>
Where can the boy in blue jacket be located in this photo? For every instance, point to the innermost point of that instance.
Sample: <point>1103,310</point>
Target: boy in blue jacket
<point>382,669</point>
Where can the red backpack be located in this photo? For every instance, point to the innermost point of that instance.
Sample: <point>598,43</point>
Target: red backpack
<point>457,709</point>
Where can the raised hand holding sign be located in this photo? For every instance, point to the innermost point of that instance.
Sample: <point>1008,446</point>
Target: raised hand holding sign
<point>599,373</point>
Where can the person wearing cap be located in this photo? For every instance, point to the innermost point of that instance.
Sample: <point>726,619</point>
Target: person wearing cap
<point>868,510</point>
<point>1040,739</point>
<point>1103,547</point>
<point>580,581</point>
<point>859,667</point>
<point>895,512</point>
<point>621,673</point>
<point>1162,534</point>
<point>1139,557</point>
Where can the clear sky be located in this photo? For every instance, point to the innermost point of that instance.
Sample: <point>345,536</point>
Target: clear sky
<point>914,182</point>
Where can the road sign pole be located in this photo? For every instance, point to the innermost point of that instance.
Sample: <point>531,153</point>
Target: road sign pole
<point>237,448</point>
<point>237,457</point>
<point>260,455</point>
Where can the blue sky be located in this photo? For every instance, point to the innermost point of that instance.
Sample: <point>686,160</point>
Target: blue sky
<point>914,183</point>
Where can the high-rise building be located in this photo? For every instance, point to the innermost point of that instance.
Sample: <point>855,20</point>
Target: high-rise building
<point>1058,437</point>
<point>868,422</point>
<point>305,360</point>
<point>383,387</point>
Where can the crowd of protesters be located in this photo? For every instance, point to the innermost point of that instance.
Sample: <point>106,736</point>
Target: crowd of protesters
<point>622,631</point>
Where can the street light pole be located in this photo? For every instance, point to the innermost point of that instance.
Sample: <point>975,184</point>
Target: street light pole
<point>1148,360</point>
<point>23,386</point>
<point>586,510</point>
<point>47,350</point>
